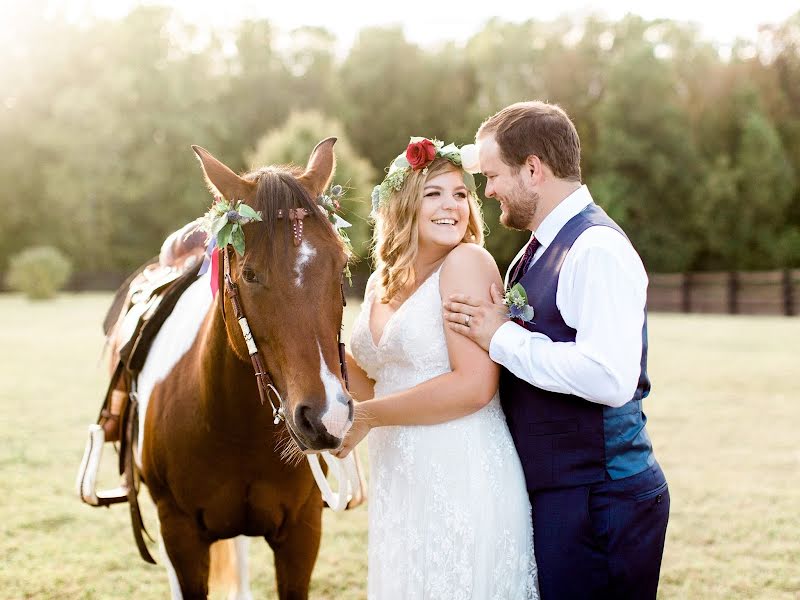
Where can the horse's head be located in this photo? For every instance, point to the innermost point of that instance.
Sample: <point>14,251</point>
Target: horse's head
<point>291,293</point>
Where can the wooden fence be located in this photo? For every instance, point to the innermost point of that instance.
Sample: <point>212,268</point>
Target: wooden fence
<point>734,292</point>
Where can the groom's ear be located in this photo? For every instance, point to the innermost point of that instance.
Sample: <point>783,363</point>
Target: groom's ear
<point>534,168</point>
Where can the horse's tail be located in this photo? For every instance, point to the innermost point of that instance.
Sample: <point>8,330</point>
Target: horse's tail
<point>223,573</point>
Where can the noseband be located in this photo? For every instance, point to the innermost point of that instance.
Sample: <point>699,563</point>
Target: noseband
<point>266,387</point>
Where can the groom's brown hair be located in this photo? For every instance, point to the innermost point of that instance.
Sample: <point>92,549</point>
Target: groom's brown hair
<point>538,128</point>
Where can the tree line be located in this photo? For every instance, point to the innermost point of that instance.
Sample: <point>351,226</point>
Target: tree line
<point>695,154</point>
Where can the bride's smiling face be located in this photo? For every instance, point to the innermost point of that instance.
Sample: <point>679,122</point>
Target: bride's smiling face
<point>444,212</point>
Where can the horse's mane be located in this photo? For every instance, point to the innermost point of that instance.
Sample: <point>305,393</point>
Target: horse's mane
<point>279,189</point>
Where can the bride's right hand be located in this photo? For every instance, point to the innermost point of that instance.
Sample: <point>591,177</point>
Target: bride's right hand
<point>359,430</point>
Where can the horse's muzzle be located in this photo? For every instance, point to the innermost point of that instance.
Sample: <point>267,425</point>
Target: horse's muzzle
<point>323,425</point>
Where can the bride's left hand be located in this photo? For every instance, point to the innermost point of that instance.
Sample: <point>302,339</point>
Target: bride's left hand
<point>358,432</point>
<point>477,319</point>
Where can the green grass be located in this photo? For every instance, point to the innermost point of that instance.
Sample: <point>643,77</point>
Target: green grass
<point>724,417</point>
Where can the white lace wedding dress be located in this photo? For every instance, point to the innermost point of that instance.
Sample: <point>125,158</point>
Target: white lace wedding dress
<point>449,516</point>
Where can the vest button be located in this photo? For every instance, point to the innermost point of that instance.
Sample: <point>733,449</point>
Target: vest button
<point>658,498</point>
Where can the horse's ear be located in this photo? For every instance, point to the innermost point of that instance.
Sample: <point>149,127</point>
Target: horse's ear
<point>221,179</point>
<point>320,168</point>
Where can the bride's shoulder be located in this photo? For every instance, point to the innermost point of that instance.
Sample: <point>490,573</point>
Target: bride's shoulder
<point>468,257</point>
<point>469,261</point>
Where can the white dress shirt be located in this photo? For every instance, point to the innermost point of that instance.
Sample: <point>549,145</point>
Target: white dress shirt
<point>602,291</point>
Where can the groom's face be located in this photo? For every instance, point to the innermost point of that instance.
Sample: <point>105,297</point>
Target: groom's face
<point>507,185</point>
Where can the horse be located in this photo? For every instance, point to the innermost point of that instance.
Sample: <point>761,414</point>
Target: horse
<point>215,463</point>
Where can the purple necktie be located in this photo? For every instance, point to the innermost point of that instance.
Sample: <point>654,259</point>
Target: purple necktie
<point>525,262</point>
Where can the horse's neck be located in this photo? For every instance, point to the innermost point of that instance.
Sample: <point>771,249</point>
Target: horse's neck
<point>229,398</point>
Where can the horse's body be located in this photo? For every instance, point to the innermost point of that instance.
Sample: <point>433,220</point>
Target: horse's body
<point>210,453</point>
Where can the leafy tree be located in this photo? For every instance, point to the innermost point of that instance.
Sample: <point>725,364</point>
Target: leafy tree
<point>647,166</point>
<point>695,154</point>
<point>766,187</point>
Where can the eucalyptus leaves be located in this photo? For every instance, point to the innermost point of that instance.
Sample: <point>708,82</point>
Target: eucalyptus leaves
<point>330,203</point>
<point>224,222</point>
<point>516,299</point>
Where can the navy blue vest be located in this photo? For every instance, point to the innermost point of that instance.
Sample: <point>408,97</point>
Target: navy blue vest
<point>564,440</point>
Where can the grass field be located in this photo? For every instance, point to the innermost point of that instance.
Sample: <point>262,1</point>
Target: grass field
<point>724,418</point>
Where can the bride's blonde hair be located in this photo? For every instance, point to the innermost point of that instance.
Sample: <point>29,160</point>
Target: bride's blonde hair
<point>396,239</point>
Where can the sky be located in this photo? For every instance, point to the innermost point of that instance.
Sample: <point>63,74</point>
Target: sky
<point>432,21</point>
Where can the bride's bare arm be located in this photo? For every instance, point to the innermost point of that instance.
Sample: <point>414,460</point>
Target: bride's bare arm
<point>474,377</point>
<point>361,386</point>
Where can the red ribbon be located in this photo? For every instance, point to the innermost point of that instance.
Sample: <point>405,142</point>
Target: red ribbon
<point>215,272</point>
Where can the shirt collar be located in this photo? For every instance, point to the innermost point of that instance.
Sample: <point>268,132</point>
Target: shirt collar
<point>561,214</point>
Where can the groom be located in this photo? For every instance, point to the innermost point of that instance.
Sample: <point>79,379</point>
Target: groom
<point>575,374</point>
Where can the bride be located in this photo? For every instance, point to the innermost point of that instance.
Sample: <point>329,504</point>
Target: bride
<point>449,512</point>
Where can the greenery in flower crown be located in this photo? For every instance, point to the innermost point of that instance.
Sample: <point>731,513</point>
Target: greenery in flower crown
<point>224,220</point>
<point>401,167</point>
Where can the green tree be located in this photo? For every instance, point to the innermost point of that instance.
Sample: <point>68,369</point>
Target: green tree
<point>393,90</point>
<point>766,187</point>
<point>647,165</point>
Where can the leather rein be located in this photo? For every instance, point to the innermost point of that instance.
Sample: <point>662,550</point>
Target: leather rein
<point>266,386</point>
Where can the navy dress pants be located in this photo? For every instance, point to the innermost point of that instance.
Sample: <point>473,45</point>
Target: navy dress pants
<point>603,540</point>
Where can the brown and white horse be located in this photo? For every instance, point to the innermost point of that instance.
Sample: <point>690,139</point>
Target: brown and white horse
<point>210,453</point>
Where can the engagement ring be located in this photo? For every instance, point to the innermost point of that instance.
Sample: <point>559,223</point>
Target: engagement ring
<point>466,321</point>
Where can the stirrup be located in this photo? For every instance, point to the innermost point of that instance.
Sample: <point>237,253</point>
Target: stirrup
<point>86,482</point>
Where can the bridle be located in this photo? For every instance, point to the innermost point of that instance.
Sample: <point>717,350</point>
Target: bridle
<point>266,386</point>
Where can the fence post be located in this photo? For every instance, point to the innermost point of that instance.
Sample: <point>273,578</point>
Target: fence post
<point>788,293</point>
<point>733,292</point>
<point>686,297</point>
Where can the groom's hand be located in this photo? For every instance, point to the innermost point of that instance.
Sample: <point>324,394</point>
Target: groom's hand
<point>474,318</point>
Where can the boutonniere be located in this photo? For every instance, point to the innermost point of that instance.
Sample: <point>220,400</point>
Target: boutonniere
<point>224,221</point>
<point>516,299</point>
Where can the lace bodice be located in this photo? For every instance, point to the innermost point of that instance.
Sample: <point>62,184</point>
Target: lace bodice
<point>412,348</point>
<point>449,515</point>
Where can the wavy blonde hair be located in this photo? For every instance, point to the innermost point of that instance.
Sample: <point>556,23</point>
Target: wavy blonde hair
<point>396,235</point>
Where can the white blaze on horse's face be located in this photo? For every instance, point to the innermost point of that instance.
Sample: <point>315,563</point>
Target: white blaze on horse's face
<point>304,254</point>
<point>336,417</point>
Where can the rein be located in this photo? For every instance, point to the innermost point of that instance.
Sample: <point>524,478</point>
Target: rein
<point>266,386</point>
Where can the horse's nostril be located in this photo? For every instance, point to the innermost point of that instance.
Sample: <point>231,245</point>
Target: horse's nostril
<point>302,418</point>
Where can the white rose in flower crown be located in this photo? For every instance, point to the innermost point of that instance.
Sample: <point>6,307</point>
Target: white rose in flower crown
<point>470,161</point>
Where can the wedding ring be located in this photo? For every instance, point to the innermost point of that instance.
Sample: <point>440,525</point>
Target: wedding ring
<point>466,321</point>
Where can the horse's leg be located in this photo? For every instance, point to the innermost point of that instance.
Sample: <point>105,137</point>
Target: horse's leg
<point>187,553</point>
<point>174,586</point>
<point>296,552</point>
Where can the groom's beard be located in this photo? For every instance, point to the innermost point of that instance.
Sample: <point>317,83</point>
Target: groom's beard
<point>519,208</point>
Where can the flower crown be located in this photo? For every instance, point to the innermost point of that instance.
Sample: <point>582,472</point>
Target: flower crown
<point>420,153</point>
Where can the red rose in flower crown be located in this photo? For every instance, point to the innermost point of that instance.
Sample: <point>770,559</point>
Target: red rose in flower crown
<point>420,154</point>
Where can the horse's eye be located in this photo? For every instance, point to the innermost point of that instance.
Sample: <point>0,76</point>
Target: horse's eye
<point>249,275</point>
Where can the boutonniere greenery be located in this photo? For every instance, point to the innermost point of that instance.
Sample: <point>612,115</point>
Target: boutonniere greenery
<point>516,299</point>
<point>224,220</point>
